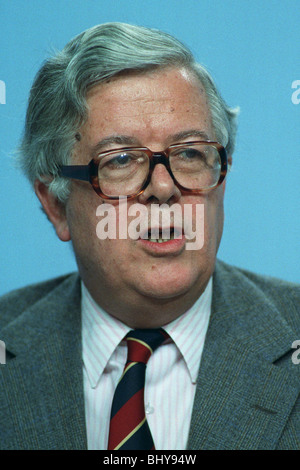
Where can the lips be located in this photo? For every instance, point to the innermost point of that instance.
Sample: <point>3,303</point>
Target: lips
<point>158,241</point>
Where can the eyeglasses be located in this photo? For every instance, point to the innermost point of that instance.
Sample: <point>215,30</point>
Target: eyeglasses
<point>195,167</point>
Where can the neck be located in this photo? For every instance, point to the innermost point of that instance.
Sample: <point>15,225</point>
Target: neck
<point>145,311</point>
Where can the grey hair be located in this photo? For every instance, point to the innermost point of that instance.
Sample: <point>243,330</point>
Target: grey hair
<point>57,104</point>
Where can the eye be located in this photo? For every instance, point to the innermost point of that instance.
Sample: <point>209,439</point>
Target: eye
<point>121,160</point>
<point>117,161</point>
<point>190,154</point>
<point>127,161</point>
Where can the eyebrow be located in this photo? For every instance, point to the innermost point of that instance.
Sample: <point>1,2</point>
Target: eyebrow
<point>113,140</point>
<point>189,133</point>
<point>126,140</point>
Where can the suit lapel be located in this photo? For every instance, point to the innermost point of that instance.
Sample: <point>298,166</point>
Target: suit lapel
<point>243,400</point>
<point>42,382</point>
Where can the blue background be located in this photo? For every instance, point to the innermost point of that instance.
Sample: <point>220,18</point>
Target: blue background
<point>252,49</point>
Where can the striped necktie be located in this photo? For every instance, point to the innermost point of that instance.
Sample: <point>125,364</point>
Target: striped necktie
<point>129,429</point>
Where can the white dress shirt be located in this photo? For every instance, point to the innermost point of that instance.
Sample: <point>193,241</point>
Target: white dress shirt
<point>171,373</point>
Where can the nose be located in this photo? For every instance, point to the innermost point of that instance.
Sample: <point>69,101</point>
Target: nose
<point>161,188</point>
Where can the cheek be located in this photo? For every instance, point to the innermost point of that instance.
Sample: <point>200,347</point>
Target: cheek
<point>215,215</point>
<point>82,220</point>
<point>82,223</point>
<point>212,204</point>
<point>106,258</point>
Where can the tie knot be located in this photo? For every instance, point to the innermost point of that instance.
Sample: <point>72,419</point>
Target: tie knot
<point>142,343</point>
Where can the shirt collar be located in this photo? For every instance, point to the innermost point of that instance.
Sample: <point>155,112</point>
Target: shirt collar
<point>189,331</point>
<point>102,333</point>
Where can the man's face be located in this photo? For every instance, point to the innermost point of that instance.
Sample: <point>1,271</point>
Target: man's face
<point>129,276</point>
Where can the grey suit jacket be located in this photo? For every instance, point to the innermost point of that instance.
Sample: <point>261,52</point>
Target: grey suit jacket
<point>248,387</point>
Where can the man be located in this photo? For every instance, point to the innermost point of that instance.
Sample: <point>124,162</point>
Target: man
<point>121,122</point>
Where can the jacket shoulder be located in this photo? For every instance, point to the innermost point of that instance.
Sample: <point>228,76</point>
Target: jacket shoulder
<point>283,295</point>
<point>17,301</point>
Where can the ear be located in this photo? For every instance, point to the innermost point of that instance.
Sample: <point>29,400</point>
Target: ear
<point>54,209</point>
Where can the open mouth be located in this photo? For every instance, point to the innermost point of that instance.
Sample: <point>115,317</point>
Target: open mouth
<point>163,235</point>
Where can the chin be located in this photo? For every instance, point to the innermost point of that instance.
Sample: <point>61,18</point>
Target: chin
<point>168,286</point>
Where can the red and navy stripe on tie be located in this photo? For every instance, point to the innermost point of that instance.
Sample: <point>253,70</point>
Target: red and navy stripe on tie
<point>129,429</point>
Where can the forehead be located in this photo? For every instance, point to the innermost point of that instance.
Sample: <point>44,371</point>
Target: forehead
<point>150,107</point>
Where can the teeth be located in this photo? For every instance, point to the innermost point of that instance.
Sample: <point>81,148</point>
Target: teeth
<point>162,240</point>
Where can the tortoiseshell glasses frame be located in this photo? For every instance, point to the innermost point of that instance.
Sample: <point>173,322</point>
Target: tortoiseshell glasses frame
<point>90,172</point>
